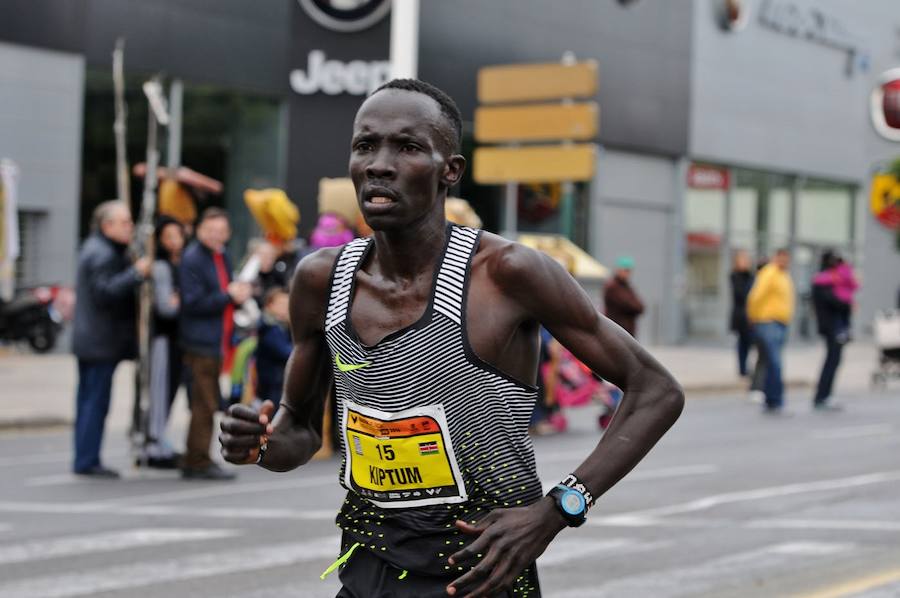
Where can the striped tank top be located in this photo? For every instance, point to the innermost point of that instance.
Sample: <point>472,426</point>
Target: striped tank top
<point>429,433</point>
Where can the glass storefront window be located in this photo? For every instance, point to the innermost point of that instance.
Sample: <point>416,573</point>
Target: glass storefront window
<point>705,211</point>
<point>824,213</point>
<point>765,212</point>
<point>231,135</point>
<point>704,217</point>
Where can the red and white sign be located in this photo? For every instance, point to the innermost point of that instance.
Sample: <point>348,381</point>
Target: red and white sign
<point>885,105</point>
<point>707,177</point>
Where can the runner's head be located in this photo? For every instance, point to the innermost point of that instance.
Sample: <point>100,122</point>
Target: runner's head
<point>404,154</point>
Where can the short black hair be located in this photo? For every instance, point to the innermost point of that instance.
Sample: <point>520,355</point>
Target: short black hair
<point>212,213</point>
<point>448,107</point>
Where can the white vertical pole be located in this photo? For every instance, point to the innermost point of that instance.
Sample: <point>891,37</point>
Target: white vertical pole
<point>173,155</point>
<point>511,210</point>
<point>405,39</point>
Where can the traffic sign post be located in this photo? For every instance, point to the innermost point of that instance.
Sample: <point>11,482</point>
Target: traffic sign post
<point>517,109</point>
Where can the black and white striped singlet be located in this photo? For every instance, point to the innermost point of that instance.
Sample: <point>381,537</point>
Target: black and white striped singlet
<point>410,382</point>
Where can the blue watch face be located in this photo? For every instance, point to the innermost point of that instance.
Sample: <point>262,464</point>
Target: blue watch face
<point>572,502</point>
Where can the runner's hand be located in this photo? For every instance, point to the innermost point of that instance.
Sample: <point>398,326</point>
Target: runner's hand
<point>244,430</point>
<point>510,540</point>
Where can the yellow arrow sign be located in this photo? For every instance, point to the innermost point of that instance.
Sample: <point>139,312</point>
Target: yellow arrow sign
<point>534,164</point>
<point>534,82</point>
<point>536,122</point>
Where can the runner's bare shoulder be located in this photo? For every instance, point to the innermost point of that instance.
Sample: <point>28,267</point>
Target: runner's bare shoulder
<point>311,284</point>
<point>511,266</point>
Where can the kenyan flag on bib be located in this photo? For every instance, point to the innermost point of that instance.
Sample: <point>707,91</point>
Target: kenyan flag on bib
<point>428,448</point>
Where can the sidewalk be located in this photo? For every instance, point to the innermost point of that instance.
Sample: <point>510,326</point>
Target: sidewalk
<point>39,390</point>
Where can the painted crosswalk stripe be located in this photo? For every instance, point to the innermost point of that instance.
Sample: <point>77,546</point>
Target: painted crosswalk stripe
<point>856,525</point>
<point>709,502</point>
<point>185,567</point>
<point>104,542</point>
<point>656,474</point>
<point>708,577</point>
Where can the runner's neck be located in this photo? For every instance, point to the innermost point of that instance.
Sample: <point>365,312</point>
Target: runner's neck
<point>405,255</point>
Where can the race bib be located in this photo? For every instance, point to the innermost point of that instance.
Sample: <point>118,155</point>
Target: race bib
<point>402,459</point>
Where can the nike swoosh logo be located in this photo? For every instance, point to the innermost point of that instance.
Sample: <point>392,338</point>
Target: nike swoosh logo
<point>349,367</point>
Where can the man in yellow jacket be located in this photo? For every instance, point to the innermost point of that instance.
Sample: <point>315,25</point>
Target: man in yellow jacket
<point>770,307</point>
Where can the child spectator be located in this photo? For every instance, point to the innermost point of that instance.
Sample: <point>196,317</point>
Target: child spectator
<point>274,346</point>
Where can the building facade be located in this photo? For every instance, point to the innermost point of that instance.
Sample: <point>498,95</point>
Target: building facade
<point>715,134</point>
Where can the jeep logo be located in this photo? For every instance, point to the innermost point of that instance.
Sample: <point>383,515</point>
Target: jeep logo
<point>334,77</point>
<point>346,15</point>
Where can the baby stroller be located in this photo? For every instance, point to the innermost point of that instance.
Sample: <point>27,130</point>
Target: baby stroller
<point>887,337</point>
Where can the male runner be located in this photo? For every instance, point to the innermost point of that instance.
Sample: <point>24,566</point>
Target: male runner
<point>429,333</point>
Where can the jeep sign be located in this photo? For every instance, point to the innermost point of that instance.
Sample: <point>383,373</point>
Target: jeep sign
<point>334,77</point>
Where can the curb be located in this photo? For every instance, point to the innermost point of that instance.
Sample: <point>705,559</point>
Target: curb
<point>740,387</point>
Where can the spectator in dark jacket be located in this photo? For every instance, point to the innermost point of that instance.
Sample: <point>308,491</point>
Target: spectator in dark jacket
<point>208,299</point>
<point>623,306</point>
<point>833,320</point>
<point>741,283</point>
<point>274,346</point>
<point>104,326</point>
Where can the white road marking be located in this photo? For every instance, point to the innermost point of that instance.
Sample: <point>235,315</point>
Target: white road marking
<point>184,567</point>
<point>105,542</point>
<point>190,511</point>
<point>715,500</point>
<point>560,553</point>
<point>129,475</point>
<point>656,474</point>
<point>294,483</point>
<point>52,480</point>
<point>853,432</point>
<point>38,459</point>
<point>861,525</point>
<point>707,576</point>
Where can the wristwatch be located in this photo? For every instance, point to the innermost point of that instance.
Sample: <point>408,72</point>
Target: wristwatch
<point>571,504</point>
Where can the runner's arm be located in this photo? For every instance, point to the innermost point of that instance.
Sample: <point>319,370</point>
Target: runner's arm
<point>652,399</point>
<point>295,434</point>
<point>511,539</point>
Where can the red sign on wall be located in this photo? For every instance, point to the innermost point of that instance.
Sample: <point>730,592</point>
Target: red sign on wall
<point>890,103</point>
<point>885,105</point>
<point>707,177</point>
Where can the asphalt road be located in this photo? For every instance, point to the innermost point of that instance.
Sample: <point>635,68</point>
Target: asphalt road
<point>731,503</point>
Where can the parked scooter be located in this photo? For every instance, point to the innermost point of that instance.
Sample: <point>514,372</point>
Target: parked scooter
<point>31,316</point>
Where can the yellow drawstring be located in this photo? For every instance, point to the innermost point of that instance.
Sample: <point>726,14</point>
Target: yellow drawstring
<point>403,575</point>
<point>343,559</point>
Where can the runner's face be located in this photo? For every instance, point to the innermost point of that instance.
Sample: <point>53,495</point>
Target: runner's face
<point>399,159</point>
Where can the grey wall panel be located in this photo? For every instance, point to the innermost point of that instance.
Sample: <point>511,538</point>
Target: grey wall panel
<point>55,24</point>
<point>643,52</point>
<point>644,235</point>
<point>225,42</point>
<point>765,99</point>
<point>880,274</point>
<point>41,94</point>
<point>633,205</point>
<point>233,42</point>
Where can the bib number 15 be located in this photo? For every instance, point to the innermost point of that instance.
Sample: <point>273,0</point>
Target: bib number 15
<point>385,452</point>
